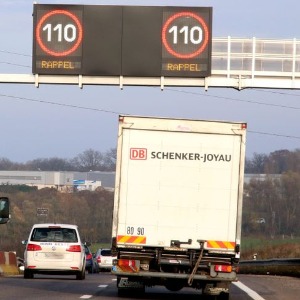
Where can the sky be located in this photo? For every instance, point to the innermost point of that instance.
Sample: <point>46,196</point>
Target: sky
<point>63,120</point>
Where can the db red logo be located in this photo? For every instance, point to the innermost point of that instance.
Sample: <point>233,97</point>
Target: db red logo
<point>138,153</point>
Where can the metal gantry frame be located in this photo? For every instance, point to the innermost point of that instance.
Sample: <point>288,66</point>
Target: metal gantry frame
<point>237,63</point>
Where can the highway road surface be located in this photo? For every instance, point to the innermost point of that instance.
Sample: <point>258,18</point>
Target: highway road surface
<point>102,286</point>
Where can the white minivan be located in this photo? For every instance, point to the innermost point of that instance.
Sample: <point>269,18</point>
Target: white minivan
<point>54,249</point>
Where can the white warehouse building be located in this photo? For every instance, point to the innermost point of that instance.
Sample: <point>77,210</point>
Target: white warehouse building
<point>70,181</point>
<point>62,181</point>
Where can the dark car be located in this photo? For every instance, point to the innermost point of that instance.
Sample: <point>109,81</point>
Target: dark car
<point>91,265</point>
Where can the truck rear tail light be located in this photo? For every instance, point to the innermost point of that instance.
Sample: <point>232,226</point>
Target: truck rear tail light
<point>223,268</point>
<point>33,247</point>
<point>74,248</point>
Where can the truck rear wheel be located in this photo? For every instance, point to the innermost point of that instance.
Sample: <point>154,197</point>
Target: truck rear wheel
<point>174,285</point>
<point>222,296</point>
<point>122,292</point>
<point>28,274</point>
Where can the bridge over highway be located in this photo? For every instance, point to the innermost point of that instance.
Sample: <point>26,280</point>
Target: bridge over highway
<point>236,63</point>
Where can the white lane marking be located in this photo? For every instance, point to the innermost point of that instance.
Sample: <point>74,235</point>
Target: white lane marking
<point>86,296</point>
<point>247,290</point>
<point>102,285</point>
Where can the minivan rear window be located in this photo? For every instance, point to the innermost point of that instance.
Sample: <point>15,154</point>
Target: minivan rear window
<point>106,252</point>
<point>65,235</point>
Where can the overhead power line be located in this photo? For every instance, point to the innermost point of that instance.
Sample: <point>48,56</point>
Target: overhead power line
<point>122,113</point>
<point>15,53</point>
<point>60,104</point>
<point>13,64</point>
<point>234,99</point>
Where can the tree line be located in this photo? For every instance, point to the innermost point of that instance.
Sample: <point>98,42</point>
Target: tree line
<point>84,162</point>
<point>91,211</point>
<point>276,162</point>
<point>271,207</point>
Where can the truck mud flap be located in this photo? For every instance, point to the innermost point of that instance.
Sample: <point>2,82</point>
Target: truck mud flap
<point>125,283</point>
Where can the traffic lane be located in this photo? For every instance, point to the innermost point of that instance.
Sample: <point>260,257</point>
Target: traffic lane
<point>273,287</point>
<point>95,286</point>
<point>48,287</point>
<point>103,286</point>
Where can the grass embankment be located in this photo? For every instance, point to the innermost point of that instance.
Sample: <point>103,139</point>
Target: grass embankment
<point>266,248</point>
<point>269,249</point>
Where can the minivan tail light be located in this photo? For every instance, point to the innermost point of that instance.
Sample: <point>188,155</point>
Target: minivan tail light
<point>74,248</point>
<point>33,247</point>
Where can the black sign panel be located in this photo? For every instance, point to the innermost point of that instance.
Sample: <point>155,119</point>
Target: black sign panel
<point>186,42</point>
<point>122,40</point>
<point>58,40</point>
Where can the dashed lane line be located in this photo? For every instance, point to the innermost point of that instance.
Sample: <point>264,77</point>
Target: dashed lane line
<point>90,296</point>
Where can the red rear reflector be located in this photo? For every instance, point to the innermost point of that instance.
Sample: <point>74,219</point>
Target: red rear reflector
<point>33,247</point>
<point>223,268</point>
<point>74,248</point>
<point>129,265</point>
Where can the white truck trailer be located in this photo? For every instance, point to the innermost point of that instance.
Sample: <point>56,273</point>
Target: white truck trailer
<point>178,204</point>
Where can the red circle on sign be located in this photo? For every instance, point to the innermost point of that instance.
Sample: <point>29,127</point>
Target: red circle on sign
<point>44,47</point>
<point>179,15</point>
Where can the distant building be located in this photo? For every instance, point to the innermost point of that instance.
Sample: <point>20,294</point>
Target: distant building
<point>67,181</point>
<point>107,178</point>
<point>89,185</point>
<point>62,181</point>
<point>260,177</point>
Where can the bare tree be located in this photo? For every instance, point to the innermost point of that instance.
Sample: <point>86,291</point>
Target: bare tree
<point>110,158</point>
<point>89,160</point>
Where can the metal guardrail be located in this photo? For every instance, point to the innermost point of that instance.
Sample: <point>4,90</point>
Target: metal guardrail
<point>272,262</point>
<point>283,267</point>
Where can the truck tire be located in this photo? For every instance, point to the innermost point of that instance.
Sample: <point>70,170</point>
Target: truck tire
<point>28,274</point>
<point>131,293</point>
<point>222,296</point>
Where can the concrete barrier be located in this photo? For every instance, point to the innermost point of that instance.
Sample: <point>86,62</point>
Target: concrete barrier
<point>8,264</point>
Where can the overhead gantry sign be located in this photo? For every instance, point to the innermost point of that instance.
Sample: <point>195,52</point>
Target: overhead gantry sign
<point>137,41</point>
<point>151,46</point>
